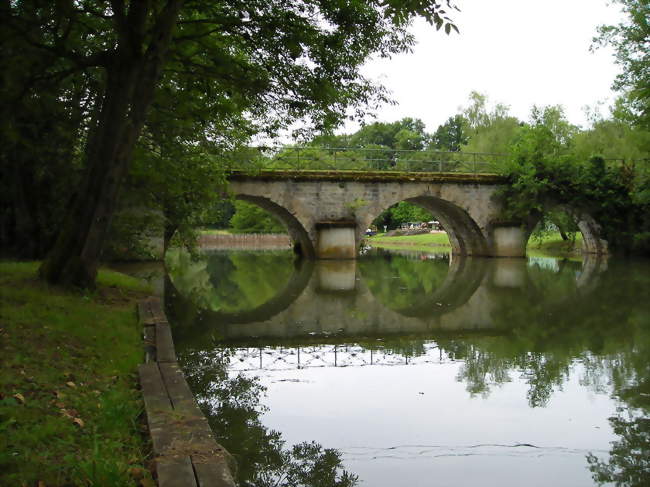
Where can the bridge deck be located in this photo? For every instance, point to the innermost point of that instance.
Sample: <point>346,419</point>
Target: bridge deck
<point>369,176</point>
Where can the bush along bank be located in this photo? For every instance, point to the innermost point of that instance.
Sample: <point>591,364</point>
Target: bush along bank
<point>617,197</point>
<point>70,408</point>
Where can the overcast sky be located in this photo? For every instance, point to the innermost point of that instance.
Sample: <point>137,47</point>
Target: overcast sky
<point>518,52</point>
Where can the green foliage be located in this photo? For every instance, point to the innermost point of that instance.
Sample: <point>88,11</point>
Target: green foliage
<point>488,131</point>
<point>451,135</point>
<point>630,41</point>
<point>613,139</point>
<point>407,133</point>
<point>250,218</point>
<point>41,117</point>
<point>402,212</point>
<point>168,89</point>
<point>545,173</point>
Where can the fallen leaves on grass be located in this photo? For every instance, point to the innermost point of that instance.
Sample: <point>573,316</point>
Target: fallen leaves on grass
<point>73,414</point>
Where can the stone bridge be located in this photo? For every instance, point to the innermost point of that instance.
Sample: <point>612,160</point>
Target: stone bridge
<point>327,212</point>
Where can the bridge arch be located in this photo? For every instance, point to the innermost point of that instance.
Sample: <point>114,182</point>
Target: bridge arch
<point>302,244</point>
<point>591,231</point>
<point>465,236</point>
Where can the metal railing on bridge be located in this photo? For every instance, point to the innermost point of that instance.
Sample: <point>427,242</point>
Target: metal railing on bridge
<point>305,158</point>
<point>362,159</point>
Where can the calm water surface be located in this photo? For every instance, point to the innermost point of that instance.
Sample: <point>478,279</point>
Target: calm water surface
<point>415,369</point>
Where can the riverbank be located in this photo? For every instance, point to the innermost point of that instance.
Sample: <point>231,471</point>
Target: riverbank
<point>424,242</point>
<point>70,408</point>
<point>550,245</point>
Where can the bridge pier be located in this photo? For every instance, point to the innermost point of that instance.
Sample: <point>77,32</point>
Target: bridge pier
<point>336,240</point>
<point>509,241</point>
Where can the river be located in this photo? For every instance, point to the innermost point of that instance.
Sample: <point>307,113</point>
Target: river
<point>418,369</point>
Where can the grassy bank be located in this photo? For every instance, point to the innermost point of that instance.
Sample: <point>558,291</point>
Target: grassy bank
<point>550,244</point>
<point>69,404</point>
<point>426,240</point>
<point>212,231</point>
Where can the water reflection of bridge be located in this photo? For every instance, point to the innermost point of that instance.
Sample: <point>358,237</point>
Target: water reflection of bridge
<point>337,302</point>
<point>339,355</point>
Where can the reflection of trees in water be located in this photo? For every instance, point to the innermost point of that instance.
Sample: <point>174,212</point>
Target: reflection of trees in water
<point>629,374</point>
<point>608,332</point>
<point>399,281</point>
<point>405,346</point>
<point>550,330</point>
<point>629,458</point>
<point>231,281</point>
<point>232,406</point>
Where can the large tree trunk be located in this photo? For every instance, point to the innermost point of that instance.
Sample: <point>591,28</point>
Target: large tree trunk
<point>132,75</point>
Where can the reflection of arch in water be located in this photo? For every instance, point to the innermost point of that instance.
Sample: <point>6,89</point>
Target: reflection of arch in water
<point>592,268</point>
<point>463,278</point>
<point>323,317</point>
<point>302,244</point>
<point>515,274</point>
<point>465,236</point>
<point>303,269</point>
<point>589,228</point>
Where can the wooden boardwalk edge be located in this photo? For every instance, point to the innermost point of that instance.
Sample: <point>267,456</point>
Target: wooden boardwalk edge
<point>186,453</point>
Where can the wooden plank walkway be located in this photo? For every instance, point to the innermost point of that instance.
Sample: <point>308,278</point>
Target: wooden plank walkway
<point>186,452</point>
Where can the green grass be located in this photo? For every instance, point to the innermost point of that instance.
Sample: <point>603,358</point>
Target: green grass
<point>426,240</point>
<point>69,404</point>
<point>211,231</point>
<point>550,244</point>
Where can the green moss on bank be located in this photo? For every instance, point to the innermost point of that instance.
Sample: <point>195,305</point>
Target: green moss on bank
<point>69,403</point>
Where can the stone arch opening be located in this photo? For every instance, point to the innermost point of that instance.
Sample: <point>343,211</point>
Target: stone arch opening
<point>591,231</point>
<point>465,236</point>
<point>301,243</point>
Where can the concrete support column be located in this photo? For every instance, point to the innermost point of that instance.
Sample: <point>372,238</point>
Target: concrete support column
<point>509,241</point>
<point>336,240</point>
